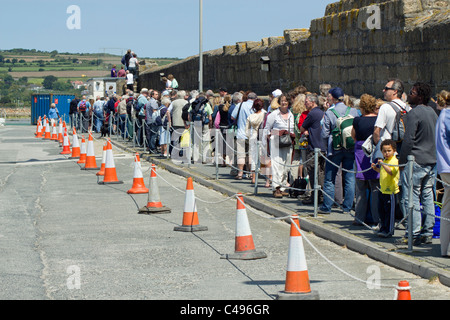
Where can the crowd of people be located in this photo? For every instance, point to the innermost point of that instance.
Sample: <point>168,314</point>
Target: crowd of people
<point>364,144</point>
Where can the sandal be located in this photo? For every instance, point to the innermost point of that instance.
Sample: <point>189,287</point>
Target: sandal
<point>238,178</point>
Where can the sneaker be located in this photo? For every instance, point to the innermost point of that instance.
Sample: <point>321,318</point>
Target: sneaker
<point>321,211</point>
<point>309,200</point>
<point>404,241</point>
<point>277,193</point>
<point>426,239</point>
<point>383,234</point>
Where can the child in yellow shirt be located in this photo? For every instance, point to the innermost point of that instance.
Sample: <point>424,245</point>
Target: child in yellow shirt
<point>389,177</point>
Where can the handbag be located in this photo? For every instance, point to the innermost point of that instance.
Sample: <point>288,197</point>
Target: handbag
<point>368,147</point>
<point>285,139</point>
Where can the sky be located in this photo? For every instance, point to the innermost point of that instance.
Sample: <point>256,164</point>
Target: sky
<point>151,28</point>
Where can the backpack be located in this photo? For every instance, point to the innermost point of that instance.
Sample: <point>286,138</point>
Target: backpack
<point>342,133</point>
<point>398,132</point>
<point>297,186</point>
<point>198,112</point>
<point>123,61</point>
<point>82,106</point>
<point>131,103</point>
<point>185,112</point>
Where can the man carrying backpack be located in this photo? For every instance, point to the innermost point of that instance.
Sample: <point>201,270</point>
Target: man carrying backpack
<point>83,110</point>
<point>385,124</point>
<point>337,122</point>
<point>200,113</point>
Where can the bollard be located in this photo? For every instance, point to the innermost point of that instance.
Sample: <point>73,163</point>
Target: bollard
<point>410,202</point>
<point>316,178</point>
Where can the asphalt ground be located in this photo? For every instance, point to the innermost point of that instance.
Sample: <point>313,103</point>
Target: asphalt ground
<point>64,236</point>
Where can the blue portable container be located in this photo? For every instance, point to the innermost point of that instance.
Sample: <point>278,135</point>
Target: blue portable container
<point>40,105</point>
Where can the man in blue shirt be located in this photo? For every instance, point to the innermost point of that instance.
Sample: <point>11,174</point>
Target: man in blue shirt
<point>151,113</point>
<point>240,114</point>
<point>343,157</point>
<point>313,129</point>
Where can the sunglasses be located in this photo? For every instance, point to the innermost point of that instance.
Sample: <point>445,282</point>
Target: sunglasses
<point>387,88</point>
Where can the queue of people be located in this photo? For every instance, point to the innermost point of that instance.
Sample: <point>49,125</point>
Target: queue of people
<point>364,144</point>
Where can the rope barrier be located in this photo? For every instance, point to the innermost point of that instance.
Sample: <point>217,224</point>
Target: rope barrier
<point>237,196</point>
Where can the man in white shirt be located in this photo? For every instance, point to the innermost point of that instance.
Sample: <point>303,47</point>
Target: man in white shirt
<point>384,125</point>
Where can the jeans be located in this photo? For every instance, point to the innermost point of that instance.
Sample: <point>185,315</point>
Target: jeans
<point>152,135</point>
<point>122,122</point>
<point>422,180</point>
<point>98,122</point>
<point>367,195</point>
<point>347,159</point>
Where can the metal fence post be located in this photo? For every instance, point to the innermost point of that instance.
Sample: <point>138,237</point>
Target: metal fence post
<point>316,178</point>
<point>258,165</point>
<point>216,152</point>
<point>410,202</point>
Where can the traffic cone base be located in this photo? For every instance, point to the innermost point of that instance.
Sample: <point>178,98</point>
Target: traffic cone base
<point>244,245</point>
<point>154,204</point>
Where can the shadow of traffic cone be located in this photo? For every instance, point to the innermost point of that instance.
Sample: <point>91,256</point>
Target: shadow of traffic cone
<point>297,285</point>
<point>90,163</point>
<point>66,147</point>
<point>102,167</point>
<point>75,146</point>
<point>244,245</point>
<point>190,216</point>
<point>47,134</point>
<point>154,204</point>
<point>82,151</point>
<point>110,176</point>
<point>39,129</point>
<point>138,178</point>
<point>403,292</point>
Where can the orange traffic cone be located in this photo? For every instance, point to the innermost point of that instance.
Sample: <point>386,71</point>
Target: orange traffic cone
<point>90,163</point>
<point>75,146</point>
<point>403,292</point>
<point>66,147</point>
<point>60,132</point>
<point>47,134</point>
<point>190,216</point>
<point>110,176</point>
<point>297,285</point>
<point>54,133</point>
<point>44,123</point>
<point>154,204</point>
<point>82,151</point>
<point>138,179</point>
<point>102,167</point>
<point>39,128</point>
<point>38,124</point>
<point>244,245</point>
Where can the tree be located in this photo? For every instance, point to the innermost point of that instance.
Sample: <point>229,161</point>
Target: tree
<point>49,81</point>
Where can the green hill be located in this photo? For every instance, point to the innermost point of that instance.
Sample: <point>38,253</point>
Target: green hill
<point>22,71</point>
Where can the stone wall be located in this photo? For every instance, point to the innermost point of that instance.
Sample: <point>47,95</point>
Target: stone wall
<point>353,46</point>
